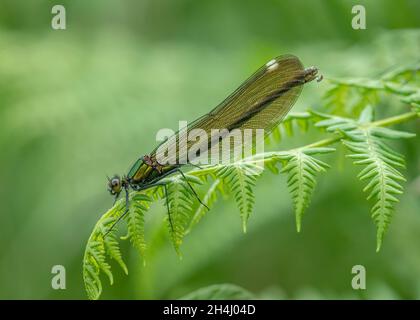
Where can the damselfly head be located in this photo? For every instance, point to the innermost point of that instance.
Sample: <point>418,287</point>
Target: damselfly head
<point>311,74</point>
<point>114,185</point>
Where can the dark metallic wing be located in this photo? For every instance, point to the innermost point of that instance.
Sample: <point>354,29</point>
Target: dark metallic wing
<point>261,102</point>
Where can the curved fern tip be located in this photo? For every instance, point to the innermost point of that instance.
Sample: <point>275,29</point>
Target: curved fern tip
<point>298,222</point>
<point>298,227</point>
<point>244,228</point>
<point>379,240</point>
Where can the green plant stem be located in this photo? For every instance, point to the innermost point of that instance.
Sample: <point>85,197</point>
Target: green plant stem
<point>323,142</point>
<point>394,120</point>
<point>380,123</point>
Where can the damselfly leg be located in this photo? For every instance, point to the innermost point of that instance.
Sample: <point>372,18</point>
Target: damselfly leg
<point>127,206</point>
<point>192,189</point>
<point>151,185</point>
<point>116,198</point>
<point>165,188</point>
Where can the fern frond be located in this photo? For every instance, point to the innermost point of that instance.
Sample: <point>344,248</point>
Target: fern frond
<point>94,259</point>
<point>333,123</point>
<point>413,98</point>
<point>181,202</point>
<point>225,291</point>
<point>94,262</point>
<point>404,74</point>
<point>301,169</point>
<point>139,204</point>
<point>366,141</point>
<point>98,248</point>
<point>416,107</point>
<point>209,199</point>
<point>349,97</point>
<point>93,284</point>
<point>300,120</point>
<point>380,163</point>
<point>112,248</point>
<point>240,178</point>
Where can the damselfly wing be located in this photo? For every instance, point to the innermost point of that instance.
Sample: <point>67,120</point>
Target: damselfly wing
<point>261,102</point>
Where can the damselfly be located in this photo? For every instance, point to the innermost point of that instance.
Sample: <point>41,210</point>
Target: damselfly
<point>261,102</point>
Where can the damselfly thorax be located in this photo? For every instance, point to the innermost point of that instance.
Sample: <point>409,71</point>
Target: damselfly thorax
<point>145,171</point>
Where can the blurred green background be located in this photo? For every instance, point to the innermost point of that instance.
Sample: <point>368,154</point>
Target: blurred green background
<point>81,103</point>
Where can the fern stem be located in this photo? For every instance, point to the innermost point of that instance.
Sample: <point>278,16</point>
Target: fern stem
<point>380,123</point>
<point>394,120</point>
<point>323,142</point>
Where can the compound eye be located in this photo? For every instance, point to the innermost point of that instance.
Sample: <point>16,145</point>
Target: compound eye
<point>115,182</point>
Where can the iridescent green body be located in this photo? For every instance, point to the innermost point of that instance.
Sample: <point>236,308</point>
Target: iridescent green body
<point>143,173</point>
